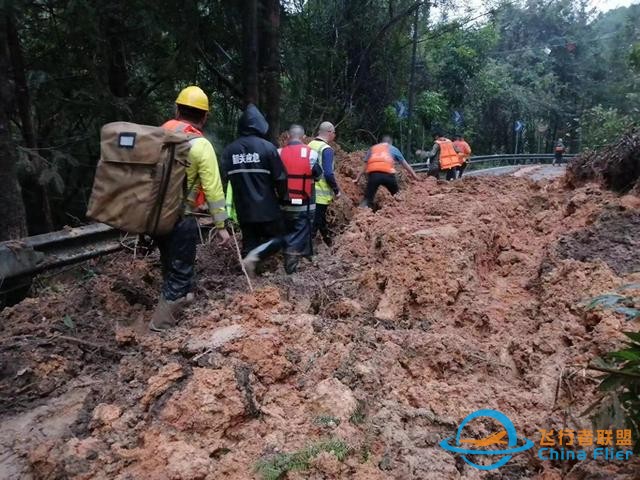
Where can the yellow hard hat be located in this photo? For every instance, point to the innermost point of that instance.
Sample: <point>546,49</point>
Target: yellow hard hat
<point>193,96</point>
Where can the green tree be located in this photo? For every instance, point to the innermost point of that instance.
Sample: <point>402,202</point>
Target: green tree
<point>600,126</point>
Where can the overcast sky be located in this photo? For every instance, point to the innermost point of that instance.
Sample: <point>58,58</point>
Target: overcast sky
<point>605,5</point>
<point>602,5</point>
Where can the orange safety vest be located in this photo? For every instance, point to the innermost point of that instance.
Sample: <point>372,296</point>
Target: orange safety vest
<point>464,150</point>
<point>295,159</point>
<point>448,156</point>
<point>180,126</point>
<point>380,159</point>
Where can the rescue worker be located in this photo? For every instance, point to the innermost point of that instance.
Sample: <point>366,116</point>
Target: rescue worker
<point>379,165</point>
<point>464,152</point>
<point>558,152</point>
<point>298,206</point>
<point>443,156</point>
<point>178,248</point>
<point>327,188</point>
<point>258,180</point>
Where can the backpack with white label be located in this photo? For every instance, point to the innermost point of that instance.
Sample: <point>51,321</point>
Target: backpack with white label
<point>140,178</point>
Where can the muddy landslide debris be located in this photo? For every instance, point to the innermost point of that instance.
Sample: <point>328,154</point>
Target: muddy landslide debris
<point>615,166</point>
<point>451,298</point>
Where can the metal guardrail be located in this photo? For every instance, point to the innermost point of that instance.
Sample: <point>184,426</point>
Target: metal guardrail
<point>24,258</point>
<point>502,160</point>
<point>21,259</point>
<point>35,254</point>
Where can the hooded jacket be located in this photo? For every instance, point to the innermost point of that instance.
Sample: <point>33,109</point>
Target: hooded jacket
<point>254,168</point>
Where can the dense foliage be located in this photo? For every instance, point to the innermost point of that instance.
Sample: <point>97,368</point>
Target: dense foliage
<point>555,65</point>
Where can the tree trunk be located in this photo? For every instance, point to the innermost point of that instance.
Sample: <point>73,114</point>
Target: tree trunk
<point>36,197</point>
<point>270,52</point>
<point>250,60</point>
<point>12,221</point>
<point>412,76</point>
<point>117,74</point>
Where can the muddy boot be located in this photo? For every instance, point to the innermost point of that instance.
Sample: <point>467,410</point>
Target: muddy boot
<point>165,316</point>
<point>291,263</point>
<point>249,263</point>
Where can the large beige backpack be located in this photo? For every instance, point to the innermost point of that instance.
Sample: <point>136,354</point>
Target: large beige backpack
<point>140,178</point>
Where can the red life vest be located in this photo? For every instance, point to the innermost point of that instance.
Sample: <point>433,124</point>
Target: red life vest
<point>380,159</point>
<point>184,127</point>
<point>560,148</point>
<point>295,159</point>
<point>448,156</point>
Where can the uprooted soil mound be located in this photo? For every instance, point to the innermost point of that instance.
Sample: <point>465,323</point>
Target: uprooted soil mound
<point>614,239</point>
<point>616,166</point>
<point>450,298</point>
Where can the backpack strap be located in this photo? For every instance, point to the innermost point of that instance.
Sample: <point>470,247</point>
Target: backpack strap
<point>165,185</point>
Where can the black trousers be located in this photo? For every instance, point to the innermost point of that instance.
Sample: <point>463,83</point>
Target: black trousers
<point>451,173</point>
<point>298,226</point>
<point>266,237</point>
<point>461,169</point>
<point>377,179</point>
<point>178,257</point>
<point>320,224</point>
<point>557,158</point>
<point>298,238</point>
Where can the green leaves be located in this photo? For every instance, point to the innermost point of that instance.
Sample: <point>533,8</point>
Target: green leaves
<point>634,57</point>
<point>623,304</point>
<point>69,323</point>
<point>276,466</point>
<point>606,300</point>
<point>600,126</point>
<point>621,368</point>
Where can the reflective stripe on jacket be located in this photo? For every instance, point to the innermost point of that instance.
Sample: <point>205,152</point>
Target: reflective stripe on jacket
<point>297,165</point>
<point>202,172</point>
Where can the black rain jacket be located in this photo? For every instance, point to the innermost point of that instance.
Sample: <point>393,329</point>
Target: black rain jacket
<point>254,168</point>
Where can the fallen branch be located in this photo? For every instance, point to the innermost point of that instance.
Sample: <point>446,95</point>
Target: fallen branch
<point>490,362</point>
<point>615,372</point>
<point>341,280</point>
<point>87,343</point>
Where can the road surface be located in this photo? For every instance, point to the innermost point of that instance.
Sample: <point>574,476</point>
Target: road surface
<point>534,172</point>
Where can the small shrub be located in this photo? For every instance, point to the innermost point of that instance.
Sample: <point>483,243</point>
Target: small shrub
<point>276,466</point>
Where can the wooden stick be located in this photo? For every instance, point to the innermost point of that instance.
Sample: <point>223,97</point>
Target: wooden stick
<point>609,370</point>
<point>341,280</point>
<point>235,240</point>
<point>91,344</point>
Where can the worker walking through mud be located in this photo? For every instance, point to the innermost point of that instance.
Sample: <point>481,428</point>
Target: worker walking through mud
<point>443,156</point>
<point>178,248</point>
<point>464,152</point>
<point>258,180</point>
<point>327,188</point>
<point>558,152</point>
<point>298,206</point>
<point>379,165</point>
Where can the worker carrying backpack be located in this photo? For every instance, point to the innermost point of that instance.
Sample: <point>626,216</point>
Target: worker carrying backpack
<point>140,178</point>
